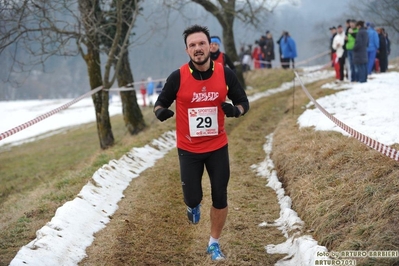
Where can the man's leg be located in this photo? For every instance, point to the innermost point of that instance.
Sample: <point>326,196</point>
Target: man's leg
<point>341,62</point>
<point>336,65</point>
<point>363,73</point>
<point>191,170</point>
<point>352,66</point>
<point>371,59</point>
<point>218,168</point>
<point>218,219</point>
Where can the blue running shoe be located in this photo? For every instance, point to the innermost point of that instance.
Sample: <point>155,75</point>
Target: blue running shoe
<point>194,214</point>
<point>215,252</point>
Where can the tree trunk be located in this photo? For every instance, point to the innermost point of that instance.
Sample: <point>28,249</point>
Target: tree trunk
<point>134,120</point>
<point>90,13</point>
<point>229,45</point>
<point>100,99</point>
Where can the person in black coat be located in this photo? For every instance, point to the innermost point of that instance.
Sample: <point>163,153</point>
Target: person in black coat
<point>269,50</point>
<point>382,51</point>
<point>360,58</point>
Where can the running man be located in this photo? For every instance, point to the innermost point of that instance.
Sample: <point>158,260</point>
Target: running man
<point>200,88</point>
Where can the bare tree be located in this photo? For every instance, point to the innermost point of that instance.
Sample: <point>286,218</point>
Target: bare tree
<point>91,19</point>
<point>132,115</point>
<point>382,12</point>
<point>226,11</point>
<point>45,28</point>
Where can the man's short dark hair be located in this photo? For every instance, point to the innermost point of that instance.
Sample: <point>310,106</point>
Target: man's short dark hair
<point>194,29</point>
<point>360,23</point>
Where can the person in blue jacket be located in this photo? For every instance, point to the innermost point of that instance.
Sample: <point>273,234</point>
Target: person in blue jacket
<point>288,50</point>
<point>360,58</point>
<point>373,46</point>
<point>150,89</point>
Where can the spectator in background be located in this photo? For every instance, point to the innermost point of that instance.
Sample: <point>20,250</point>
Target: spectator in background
<point>256,54</point>
<point>373,46</point>
<point>288,50</point>
<point>262,45</point>
<point>218,56</point>
<point>360,56</point>
<point>245,58</point>
<point>269,50</point>
<point>350,43</point>
<point>346,63</point>
<point>143,91</point>
<point>333,31</point>
<point>338,45</point>
<point>382,51</point>
<point>158,88</point>
<point>279,50</point>
<point>150,90</point>
<point>388,45</point>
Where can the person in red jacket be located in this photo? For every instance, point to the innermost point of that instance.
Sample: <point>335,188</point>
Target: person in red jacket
<point>143,91</point>
<point>199,89</point>
<point>257,55</point>
<point>218,56</point>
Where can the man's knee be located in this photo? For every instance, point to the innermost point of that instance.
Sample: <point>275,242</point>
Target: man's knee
<point>192,202</point>
<point>220,202</point>
<point>219,206</point>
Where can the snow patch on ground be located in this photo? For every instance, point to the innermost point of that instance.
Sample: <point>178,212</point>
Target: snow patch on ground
<point>370,108</point>
<point>64,239</point>
<point>300,249</point>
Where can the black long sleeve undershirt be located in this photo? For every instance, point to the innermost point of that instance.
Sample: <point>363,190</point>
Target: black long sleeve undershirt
<point>235,93</point>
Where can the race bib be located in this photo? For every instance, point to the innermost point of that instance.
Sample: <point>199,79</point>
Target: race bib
<point>203,121</point>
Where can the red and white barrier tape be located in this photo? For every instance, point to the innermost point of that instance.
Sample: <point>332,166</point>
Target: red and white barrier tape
<point>131,87</point>
<point>382,148</point>
<point>44,116</point>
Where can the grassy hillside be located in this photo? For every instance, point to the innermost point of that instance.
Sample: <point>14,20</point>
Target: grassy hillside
<point>346,193</point>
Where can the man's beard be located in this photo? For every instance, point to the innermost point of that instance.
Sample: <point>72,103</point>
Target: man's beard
<point>200,63</point>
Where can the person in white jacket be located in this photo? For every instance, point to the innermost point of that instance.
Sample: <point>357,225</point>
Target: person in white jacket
<point>338,45</point>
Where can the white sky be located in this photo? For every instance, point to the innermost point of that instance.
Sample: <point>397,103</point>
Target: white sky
<point>64,239</point>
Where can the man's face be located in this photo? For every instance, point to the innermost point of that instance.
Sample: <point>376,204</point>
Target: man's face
<point>333,31</point>
<point>353,25</point>
<point>198,48</point>
<point>339,30</point>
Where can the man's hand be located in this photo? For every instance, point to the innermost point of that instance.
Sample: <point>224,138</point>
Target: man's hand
<point>163,113</point>
<point>231,110</point>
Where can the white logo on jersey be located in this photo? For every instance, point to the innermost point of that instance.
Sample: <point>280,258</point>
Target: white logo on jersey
<point>204,96</point>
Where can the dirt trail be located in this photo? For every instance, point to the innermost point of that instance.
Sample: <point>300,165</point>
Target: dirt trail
<point>151,228</point>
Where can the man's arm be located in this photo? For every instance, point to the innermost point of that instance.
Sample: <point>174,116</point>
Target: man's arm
<point>236,92</point>
<point>169,91</point>
<point>167,97</point>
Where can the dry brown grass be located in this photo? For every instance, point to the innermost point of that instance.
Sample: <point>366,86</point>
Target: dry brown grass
<point>151,227</point>
<point>346,193</point>
<point>38,177</point>
<point>264,79</point>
